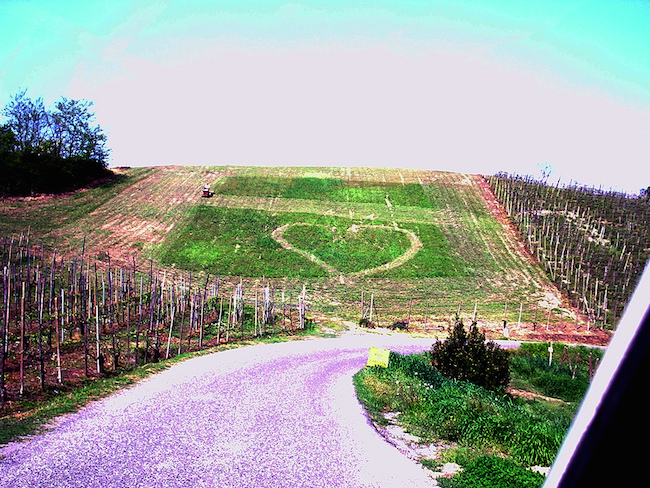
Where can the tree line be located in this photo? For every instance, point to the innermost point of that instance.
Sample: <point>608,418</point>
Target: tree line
<point>49,150</point>
<point>594,244</point>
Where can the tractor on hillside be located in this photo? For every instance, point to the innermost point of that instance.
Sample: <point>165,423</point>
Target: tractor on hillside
<point>206,192</point>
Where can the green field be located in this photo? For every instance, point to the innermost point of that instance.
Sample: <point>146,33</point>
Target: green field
<point>350,232</point>
<point>349,249</point>
<point>238,242</point>
<point>328,189</point>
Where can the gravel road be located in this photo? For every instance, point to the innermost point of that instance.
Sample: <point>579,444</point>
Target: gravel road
<point>272,415</point>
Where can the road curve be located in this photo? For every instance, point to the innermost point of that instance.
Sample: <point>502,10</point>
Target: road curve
<point>272,415</point>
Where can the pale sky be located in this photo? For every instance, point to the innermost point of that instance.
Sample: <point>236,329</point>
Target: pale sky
<point>468,86</point>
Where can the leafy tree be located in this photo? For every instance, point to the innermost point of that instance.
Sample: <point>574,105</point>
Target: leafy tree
<point>72,133</point>
<point>50,151</point>
<point>8,157</point>
<point>468,357</point>
<point>7,140</point>
<point>644,194</point>
<point>28,120</point>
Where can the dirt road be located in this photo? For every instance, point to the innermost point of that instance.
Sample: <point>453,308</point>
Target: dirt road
<point>275,415</point>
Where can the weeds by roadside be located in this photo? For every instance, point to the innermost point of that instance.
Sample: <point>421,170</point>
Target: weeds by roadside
<point>566,376</point>
<point>461,412</point>
<point>493,472</point>
<point>494,432</point>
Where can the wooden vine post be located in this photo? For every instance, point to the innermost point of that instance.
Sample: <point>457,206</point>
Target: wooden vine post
<point>255,318</point>
<point>40,293</point>
<point>6,302</point>
<point>59,376</point>
<point>284,312</point>
<point>238,304</point>
<point>267,312</point>
<point>98,352</point>
<point>219,320</point>
<point>302,307</point>
<point>172,312</point>
<point>22,341</point>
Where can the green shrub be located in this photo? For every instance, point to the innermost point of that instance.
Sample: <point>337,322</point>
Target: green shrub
<point>468,357</point>
<point>493,472</point>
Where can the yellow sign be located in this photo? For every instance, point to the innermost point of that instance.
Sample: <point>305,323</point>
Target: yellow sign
<point>378,357</point>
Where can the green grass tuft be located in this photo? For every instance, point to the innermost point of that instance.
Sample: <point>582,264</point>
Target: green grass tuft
<point>349,250</point>
<point>493,472</point>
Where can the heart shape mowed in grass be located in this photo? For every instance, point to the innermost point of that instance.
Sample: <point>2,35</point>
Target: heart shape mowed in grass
<point>358,249</point>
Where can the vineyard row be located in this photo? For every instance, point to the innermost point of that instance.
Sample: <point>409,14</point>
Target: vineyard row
<point>57,315</point>
<point>593,244</point>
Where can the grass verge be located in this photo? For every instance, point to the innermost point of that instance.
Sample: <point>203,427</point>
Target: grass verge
<point>566,377</point>
<point>493,433</point>
<point>493,472</point>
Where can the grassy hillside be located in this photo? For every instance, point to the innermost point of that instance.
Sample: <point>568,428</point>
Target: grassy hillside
<point>424,241</point>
